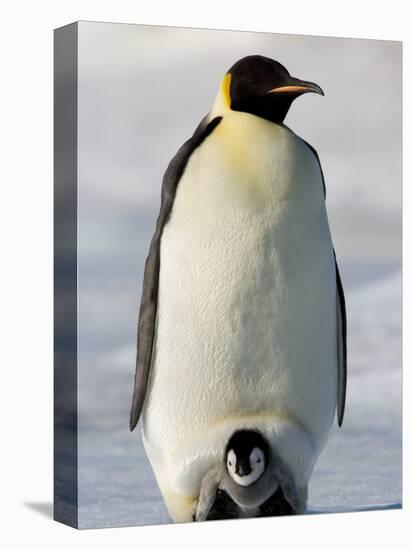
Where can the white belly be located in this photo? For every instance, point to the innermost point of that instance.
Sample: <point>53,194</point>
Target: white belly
<point>246,323</point>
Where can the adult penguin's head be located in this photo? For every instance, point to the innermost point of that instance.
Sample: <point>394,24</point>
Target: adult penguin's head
<point>263,87</point>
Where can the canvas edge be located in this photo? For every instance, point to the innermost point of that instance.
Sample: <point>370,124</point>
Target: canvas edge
<point>65,275</point>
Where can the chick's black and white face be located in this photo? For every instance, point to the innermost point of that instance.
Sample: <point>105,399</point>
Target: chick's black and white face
<point>247,469</point>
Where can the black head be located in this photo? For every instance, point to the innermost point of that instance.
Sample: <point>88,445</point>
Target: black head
<point>264,87</point>
<point>247,455</point>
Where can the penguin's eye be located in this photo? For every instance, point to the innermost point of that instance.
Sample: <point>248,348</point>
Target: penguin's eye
<point>230,464</point>
<point>258,461</point>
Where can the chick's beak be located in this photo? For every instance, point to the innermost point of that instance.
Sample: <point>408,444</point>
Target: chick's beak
<point>243,469</point>
<point>297,87</point>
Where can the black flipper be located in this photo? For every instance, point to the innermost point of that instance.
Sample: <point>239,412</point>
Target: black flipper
<point>341,320</point>
<point>342,351</point>
<point>320,166</point>
<point>148,304</point>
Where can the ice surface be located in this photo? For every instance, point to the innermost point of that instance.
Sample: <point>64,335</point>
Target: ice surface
<point>360,467</point>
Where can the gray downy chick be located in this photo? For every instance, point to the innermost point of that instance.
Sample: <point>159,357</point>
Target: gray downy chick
<point>252,475</point>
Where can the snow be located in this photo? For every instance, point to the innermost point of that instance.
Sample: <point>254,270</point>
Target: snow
<point>361,465</point>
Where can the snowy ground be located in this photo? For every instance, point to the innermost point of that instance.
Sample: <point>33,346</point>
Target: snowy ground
<point>360,467</point>
<point>136,107</point>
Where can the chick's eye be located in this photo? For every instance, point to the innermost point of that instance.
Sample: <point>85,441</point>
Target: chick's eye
<point>258,461</point>
<point>230,464</point>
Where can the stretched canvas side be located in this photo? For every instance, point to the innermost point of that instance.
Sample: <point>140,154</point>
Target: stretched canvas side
<point>65,276</point>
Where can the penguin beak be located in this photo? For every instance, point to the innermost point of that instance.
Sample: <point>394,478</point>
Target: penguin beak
<point>243,469</point>
<point>297,87</point>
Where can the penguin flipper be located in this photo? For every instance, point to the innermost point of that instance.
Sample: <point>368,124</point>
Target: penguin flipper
<point>342,351</point>
<point>208,491</point>
<point>148,304</point>
<point>320,166</point>
<point>341,320</point>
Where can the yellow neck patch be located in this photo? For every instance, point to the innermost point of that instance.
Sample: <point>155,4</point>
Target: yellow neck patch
<point>226,89</point>
<point>222,100</point>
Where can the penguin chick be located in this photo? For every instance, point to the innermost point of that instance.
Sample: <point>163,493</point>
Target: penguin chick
<point>250,474</point>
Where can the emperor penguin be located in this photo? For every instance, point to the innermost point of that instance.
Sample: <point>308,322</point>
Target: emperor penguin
<point>241,357</point>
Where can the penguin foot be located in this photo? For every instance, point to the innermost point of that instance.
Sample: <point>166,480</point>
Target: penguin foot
<point>276,505</point>
<point>223,507</point>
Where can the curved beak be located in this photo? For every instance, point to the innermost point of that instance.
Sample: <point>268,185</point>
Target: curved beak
<point>297,87</point>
